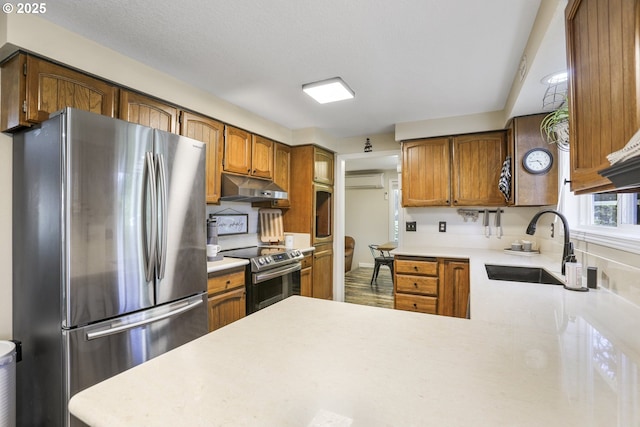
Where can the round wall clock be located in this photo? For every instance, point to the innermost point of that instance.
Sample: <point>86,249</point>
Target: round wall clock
<point>537,161</point>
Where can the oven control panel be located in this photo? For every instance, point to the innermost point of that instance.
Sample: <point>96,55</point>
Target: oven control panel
<point>278,258</point>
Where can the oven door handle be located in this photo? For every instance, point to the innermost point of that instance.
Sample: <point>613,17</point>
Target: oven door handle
<point>267,275</point>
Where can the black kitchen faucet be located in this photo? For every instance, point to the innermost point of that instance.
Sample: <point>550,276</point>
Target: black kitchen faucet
<point>568,247</point>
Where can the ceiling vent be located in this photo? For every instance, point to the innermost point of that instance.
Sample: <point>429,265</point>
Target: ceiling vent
<point>365,180</point>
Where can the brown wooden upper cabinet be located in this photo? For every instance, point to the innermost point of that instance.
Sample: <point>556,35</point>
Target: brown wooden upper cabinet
<point>531,189</point>
<point>460,170</point>
<point>247,154</point>
<point>476,166</point>
<point>323,166</point>
<point>281,165</point>
<point>147,111</point>
<point>602,41</point>
<point>33,88</point>
<point>211,132</point>
<point>426,171</point>
<point>261,157</point>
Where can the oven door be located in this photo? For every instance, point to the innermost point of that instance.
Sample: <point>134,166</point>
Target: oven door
<point>271,286</point>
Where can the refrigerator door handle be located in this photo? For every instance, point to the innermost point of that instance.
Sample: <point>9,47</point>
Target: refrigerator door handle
<point>162,194</point>
<point>120,328</point>
<point>149,199</point>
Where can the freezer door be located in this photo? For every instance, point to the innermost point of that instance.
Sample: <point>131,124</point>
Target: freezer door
<point>97,352</point>
<point>181,267</point>
<point>105,218</point>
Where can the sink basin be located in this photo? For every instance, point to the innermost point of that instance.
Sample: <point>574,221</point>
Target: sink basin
<point>521,274</point>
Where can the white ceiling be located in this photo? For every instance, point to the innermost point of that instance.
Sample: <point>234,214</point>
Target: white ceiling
<point>406,60</point>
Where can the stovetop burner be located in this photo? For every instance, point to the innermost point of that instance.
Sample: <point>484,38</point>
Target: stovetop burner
<point>265,257</point>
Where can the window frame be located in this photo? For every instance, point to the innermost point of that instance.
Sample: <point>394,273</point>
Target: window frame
<point>624,237</point>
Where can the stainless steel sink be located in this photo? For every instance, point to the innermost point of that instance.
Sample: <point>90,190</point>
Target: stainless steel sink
<point>521,274</point>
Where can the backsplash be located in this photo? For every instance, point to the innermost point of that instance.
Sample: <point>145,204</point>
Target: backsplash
<point>233,241</point>
<point>617,269</point>
<point>471,234</point>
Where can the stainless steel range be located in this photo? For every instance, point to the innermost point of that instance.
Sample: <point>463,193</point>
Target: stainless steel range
<point>272,275</point>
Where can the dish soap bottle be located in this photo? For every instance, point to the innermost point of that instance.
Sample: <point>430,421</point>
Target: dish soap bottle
<point>573,273</point>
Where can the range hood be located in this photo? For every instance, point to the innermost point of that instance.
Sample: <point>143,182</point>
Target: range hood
<point>236,188</point>
<point>624,175</point>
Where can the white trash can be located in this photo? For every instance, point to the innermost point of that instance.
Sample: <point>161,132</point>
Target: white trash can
<point>7,384</point>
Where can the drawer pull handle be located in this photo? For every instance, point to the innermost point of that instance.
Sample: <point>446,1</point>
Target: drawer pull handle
<point>415,305</point>
<point>415,284</point>
<point>415,267</point>
<point>228,282</point>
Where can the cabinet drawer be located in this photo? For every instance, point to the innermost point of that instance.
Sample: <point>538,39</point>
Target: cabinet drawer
<point>427,268</point>
<point>417,303</point>
<point>225,281</point>
<point>425,285</point>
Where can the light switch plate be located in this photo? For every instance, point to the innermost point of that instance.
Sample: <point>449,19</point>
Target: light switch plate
<point>442,226</point>
<point>410,226</point>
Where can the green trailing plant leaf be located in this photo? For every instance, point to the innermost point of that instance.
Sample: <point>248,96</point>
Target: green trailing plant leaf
<point>551,120</point>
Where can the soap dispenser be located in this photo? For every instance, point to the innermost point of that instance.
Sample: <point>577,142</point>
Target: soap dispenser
<point>573,272</point>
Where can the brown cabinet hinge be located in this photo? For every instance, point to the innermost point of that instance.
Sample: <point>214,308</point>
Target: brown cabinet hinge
<point>24,106</point>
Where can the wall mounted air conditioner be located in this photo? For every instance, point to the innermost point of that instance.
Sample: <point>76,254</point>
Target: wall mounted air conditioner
<point>368,180</point>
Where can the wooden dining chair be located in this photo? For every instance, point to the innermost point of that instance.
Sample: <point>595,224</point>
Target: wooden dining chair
<point>381,258</point>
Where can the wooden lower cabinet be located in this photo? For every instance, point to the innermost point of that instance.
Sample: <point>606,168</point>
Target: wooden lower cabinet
<point>431,285</point>
<point>306,276</point>
<point>227,297</point>
<point>322,286</point>
<point>454,297</point>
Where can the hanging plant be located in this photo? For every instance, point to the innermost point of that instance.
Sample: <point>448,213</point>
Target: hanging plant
<point>555,127</point>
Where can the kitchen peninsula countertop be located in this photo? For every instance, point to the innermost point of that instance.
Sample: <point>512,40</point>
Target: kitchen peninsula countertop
<point>531,355</point>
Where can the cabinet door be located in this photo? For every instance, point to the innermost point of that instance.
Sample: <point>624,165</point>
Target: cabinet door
<point>323,166</point>
<point>477,164</point>
<point>51,87</point>
<point>603,76</point>
<point>323,272</point>
<point>226,308</point>
<point>426,172</point>
<point>211,133</point>
<point>237,150</point>
<point>306,282</point>
<point>281,165</point>
<point>454,291</point>
<point>531,189</point>
<point>146,111</point>
<point>261,157</point>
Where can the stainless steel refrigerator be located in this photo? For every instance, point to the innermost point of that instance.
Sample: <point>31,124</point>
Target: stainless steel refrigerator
<point>109,260</point>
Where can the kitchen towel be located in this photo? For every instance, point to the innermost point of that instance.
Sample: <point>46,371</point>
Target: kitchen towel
<point>504,183</point>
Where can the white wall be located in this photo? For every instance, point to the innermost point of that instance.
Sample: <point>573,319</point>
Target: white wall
<point>367,218</point>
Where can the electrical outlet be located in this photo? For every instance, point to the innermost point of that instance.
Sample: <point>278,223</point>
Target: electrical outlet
<point>410,226</point>
<point>442,226</point>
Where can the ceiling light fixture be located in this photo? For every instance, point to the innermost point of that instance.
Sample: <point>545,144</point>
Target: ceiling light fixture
<point>330,90</point>
<point>555,78</point>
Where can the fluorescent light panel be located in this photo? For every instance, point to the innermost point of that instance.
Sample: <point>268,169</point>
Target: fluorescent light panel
<point>329,90</point>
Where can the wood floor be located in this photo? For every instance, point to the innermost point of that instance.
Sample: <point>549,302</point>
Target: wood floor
<point>357,288</point>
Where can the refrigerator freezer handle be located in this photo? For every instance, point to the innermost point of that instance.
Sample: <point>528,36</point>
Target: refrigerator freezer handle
<point>126,327</point>
<point>150,241</point>
<point>162,194</point>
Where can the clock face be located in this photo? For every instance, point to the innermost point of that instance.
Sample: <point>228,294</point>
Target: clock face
<point>537,160</point>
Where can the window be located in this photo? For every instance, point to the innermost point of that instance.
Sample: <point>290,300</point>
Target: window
<point>614,210</point>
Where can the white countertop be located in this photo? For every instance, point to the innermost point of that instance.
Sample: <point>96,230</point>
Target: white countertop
<point>225,263</point>
<point>531,355</point>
